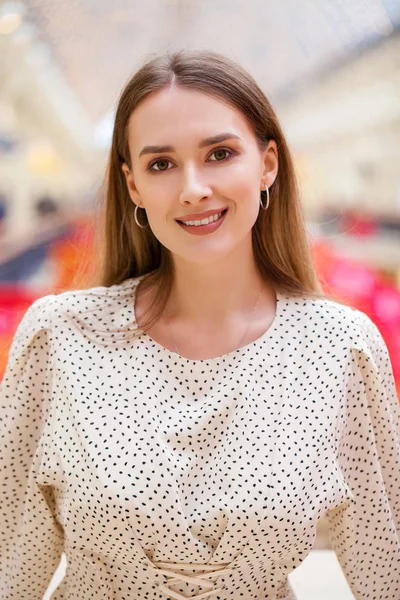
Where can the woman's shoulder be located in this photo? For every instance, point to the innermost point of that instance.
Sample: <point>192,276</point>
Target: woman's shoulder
<point>95,297</point>
<point>333,318</point>
<point>37,320</point>
<point>101,308</point>
<point>104,311</point>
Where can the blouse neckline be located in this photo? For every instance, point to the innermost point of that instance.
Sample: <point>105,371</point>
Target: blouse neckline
<point>265,337</point>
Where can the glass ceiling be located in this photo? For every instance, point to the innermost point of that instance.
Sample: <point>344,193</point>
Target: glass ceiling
<point>284,43</point>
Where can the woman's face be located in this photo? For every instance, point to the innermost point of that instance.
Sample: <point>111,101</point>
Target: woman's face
<point>193,153</point>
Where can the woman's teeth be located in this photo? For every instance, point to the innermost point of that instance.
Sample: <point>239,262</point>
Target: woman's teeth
<point>204,221</point>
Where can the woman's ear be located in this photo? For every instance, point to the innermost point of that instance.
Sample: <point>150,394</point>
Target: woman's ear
<point>270,163</point>
<point>133,193</point>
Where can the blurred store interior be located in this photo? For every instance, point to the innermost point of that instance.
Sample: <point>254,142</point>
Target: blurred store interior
<point>332,71</point>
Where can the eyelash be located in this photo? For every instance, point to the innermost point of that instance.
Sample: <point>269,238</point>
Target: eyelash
<point>230,152</point>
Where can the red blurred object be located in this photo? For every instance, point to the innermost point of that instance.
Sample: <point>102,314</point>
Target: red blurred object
<point>358,224</point>
<point>72,252</point>
<point>14,301</point>
<point>363,288</point>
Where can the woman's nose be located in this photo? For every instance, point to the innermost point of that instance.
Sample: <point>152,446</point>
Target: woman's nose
<point>194,188</point>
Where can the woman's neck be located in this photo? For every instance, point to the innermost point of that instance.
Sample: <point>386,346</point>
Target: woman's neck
<point>215,293</point>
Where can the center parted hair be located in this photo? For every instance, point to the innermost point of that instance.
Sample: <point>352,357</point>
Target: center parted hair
<point>280,243</point>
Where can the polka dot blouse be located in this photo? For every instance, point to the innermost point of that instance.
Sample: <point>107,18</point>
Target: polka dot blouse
<point>166,477</point>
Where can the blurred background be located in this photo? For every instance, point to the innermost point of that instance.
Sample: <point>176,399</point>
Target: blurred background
<point>332,71</point>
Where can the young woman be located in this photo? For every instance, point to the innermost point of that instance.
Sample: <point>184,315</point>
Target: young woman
<point>179,429</point>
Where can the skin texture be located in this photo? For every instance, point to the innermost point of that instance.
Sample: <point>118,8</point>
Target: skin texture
<point>216,278</point>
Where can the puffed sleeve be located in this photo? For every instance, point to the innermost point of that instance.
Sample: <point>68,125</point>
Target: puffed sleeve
<point>31,539</point>
<point>365,530</point>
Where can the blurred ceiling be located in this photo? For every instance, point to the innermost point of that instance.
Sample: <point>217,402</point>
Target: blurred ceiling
<point>284,43</point>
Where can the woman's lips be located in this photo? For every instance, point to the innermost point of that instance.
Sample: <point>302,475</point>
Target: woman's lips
<point>204,229</point>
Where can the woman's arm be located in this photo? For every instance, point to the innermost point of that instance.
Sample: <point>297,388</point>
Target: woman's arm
<point>31,540</point>
<point>365,532</point>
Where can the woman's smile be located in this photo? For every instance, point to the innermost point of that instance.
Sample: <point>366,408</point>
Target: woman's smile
<point>195,228</point>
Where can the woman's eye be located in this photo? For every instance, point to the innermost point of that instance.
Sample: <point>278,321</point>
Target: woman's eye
<point>221,154</point>
<point>162,165</point>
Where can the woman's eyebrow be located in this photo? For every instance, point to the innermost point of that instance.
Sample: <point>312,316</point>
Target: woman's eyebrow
<point>215,139</point>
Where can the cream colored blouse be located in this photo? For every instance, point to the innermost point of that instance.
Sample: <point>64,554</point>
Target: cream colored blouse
<point>165,477</point>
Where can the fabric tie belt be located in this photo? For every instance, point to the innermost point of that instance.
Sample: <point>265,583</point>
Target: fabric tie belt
<point>202,579</point>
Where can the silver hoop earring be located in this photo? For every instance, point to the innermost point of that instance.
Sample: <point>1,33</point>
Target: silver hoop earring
<point>136,219</point>
<point>267,192</point>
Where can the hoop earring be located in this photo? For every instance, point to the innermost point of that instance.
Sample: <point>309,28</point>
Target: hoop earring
<point>267,192</point>
<point>136,219</point>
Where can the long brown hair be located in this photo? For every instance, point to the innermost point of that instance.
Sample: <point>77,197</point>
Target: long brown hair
<point>280,243</point>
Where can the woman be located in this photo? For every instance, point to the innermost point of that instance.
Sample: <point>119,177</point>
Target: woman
<point>179,429</point>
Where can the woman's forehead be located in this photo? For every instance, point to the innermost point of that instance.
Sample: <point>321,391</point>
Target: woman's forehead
<point>177,113</point>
